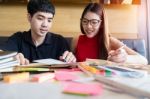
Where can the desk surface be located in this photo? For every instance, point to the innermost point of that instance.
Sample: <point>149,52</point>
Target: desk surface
<point>50,89</point>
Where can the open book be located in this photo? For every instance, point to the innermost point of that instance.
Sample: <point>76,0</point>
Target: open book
<point>49,63</point>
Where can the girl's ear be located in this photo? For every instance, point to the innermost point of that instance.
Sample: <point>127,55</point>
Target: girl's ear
<point>29,17</point>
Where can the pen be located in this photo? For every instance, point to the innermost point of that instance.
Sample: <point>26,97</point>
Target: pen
<point>64,59</point>
<point>109,56</point>
<point>121,47</point>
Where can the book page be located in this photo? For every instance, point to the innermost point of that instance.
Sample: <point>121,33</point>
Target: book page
<point>49,61</point>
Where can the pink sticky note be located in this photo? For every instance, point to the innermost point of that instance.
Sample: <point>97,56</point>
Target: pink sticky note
<point>83,88</point>
<point>65,76</point>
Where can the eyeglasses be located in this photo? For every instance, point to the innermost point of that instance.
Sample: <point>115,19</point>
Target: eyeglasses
<point>93,22</point>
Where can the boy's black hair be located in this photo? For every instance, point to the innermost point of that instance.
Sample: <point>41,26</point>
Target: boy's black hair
<point>40,5</point>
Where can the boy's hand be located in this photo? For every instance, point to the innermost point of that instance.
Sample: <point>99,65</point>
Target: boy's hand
<point>22,60</point>
<point>68,57</point>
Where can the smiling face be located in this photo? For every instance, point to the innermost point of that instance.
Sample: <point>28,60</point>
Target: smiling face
<point>91,23</point>
<point>40,23</point>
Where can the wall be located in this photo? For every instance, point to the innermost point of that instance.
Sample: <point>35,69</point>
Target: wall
<point>122,19</point>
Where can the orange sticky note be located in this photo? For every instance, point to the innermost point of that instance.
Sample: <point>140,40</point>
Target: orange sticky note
<point>83,88</point>
<point>65,76</point>
<point>18,77</point>
<point>42,77</point>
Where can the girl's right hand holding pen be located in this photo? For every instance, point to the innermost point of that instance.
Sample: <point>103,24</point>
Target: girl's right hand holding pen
<point>119,55</point>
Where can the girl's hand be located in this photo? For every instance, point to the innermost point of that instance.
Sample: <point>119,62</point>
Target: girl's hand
<point>118,56</point>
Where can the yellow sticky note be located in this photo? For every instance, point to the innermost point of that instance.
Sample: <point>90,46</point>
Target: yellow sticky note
<point>18,77</point>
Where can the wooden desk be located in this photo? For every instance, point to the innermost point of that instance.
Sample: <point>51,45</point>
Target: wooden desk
<point>51,90</point>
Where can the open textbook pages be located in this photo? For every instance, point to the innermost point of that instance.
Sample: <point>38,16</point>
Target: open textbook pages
<point>135,82</point>
<point>50,63</point>
<point>53,63</point>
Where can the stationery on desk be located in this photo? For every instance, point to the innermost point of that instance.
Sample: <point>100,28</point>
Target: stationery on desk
<point>18,77</point>
<point>129,81</point>
<point>82,88</point>
<point>42,77</point>
<point>65,76</point>
<point>43,65</point>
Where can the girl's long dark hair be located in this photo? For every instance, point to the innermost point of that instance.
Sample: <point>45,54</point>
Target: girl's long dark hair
<point>103,38</point>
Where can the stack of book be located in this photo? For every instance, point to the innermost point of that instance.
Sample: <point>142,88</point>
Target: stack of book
<point>7,61</point>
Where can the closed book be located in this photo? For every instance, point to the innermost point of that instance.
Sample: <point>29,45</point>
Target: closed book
<point>8,69</point>
<point>9,64</point>
<point>6,54</point>
<point>4,60</point>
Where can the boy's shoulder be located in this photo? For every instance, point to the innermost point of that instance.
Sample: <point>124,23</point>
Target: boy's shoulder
<point>19,33</point>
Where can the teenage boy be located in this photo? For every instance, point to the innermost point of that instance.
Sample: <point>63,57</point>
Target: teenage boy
<point>38,42</point>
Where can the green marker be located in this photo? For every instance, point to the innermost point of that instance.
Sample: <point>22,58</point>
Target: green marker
<point>108,73</point>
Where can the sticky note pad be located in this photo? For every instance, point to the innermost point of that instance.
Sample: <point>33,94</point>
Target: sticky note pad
<point>83,88</point>
<point>18,77</point>
<point>65,76</point>
<point>42,77</point>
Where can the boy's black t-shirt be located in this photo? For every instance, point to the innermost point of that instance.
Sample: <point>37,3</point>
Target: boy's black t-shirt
<point>53,46</point>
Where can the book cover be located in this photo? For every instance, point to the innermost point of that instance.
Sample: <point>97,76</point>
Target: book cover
<point>4,60</point>
<point>6,54</point>
<point>9,64</point>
